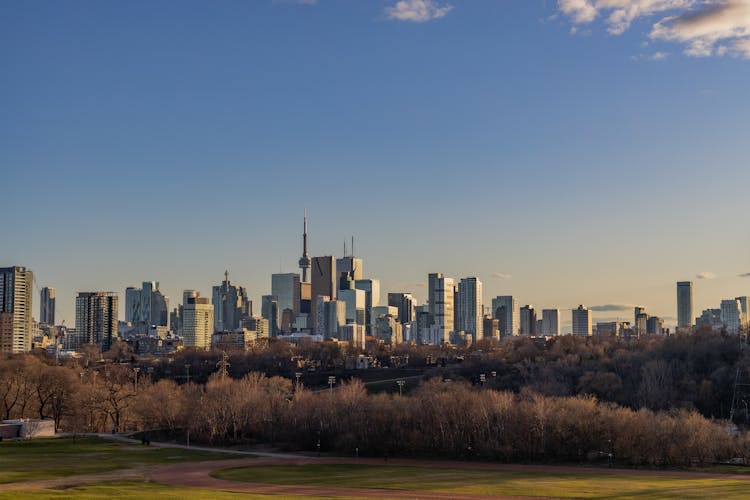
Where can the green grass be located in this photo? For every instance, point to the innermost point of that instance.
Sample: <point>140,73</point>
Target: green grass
<point>50,458</point>
<point>137,491</point>
<point>486,482</point>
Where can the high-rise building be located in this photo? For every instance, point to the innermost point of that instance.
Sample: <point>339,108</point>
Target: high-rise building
<point>349,269</point>
<point>581,321</point>
<point>331,315</point>
<point>731,315</point>
<point>47,306</point>
<point>406,305</point>
<point>470,308</point>
<point>286,288</point>
<point>16,323</point>
<point>230,306</point>
<point>304,261</point>
<point>372,299</point>
<point>196,320</point>
<point>440,291</point>
<point>654,325</point>
<point>271,311</point>
<point>356,305</point>
<point>641,324</point>
<point>551,322</point>
<point>684,304</point>
<point>491,328</point>
<point>146,305</point>
<point>323,283</point>
<point>505,309</point>
<point>710,317</point>
<point>96,318</point>
<point>528,320</point>
<point>744,304</point>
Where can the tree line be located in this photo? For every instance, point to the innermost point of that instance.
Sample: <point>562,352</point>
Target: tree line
<point>452,419</point>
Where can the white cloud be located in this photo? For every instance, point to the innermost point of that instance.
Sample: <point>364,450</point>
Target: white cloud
<point>501,276</point>
<point>703,27</point>
<point>417,11</point>
<point>656,56</point>
<point>705,276</point>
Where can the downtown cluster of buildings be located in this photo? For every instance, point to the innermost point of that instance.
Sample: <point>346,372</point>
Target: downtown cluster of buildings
<point>330,299</point>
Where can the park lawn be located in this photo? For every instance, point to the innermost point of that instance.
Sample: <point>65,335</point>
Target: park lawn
<point>48,458</point>
<point>494,482</point>
<point>138,490</point>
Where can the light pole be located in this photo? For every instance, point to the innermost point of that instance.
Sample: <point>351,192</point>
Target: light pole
<point>400,384</point>
<point>136,370</point>
<point>331,381</point>
<point>482,378</point>
<point>297,375</point>
<point>187,372</point>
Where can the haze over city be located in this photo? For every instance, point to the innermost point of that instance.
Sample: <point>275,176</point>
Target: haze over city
<point>558,154</point>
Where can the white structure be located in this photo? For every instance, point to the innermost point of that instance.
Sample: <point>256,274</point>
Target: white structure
<point>470,308</point>
<point>581,321</point>
<point>197,321</point>
<point>684,304</point>
<point>16,323</point>
<point>551,322</point>
<point>505,309</point>
<point>440,291</point>
<point>731,315</point>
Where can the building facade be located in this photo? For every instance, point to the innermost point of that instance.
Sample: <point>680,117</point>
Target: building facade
<point>96,318</point>
<point>16,322</point>
<point>582,321</point>
<point>551,322</point>
<point>47,306</point>
<point>441,306</point>
<point>684,304</point>
<point>196,320</point>
<point>505,309</point>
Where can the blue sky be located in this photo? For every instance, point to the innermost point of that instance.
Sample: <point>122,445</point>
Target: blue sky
<point>588,160</point>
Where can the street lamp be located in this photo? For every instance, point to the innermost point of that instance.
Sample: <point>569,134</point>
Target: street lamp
<point>482,378</point>
<point>331,381</point>
<point>400,384</point>
<point>297,375</point>
<point>187,372</point>
<point>136,370</point>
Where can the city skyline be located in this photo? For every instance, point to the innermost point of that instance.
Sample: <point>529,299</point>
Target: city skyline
<point>577,161</point>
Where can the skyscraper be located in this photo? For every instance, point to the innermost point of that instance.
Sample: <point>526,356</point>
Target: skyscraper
<point>406,306</point>
<point>684,304</point>
<point>528,321</point>
<point>16,286</point>
<point>551,322</point>
<point>196,320</point>
<point>581,321</point>
<point>745,305</point>
<point>505,309</point>
<point>470,307</point>
<point>96,318</point>
<point>230,306</point>
<point>731,315</point>
<point>286,288</point>
<point>47,306</point>
<point>271,311</point>
<point>304,261</point>
<point>349,269</point>
<point>440,291</point>
<point>372,299</point>
<point>356,305</point>
<point>146,305</point>
<point>323,283</point>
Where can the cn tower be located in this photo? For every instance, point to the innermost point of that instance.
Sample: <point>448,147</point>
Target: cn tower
<point>304,262</point>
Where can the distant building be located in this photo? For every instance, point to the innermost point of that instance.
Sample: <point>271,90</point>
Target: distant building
<point>581,321</point>
<point>323,282</point>
<point>349,269</point>
<point>491,328</point>
<point>684,304</point>
<point>551,322</point>
<point>744,305</point>
<point>196,320</point>
<point>286,288</point>
<point>270,311</point>
<point>372,299</point>
<point>47,306</point>
<point>146,305</point>
<point>505,309</point>
<point>470,307</point>
<point>710,317</point>
<point>655,326</point>
<point>731,315</point>
<point>406,305</point>
<point>441,305</point>
<point>528,321</point>
<point>16,322</point>
<point>388,329</point>
<point>641,324</point>
<point>230,305</point>
<point>96,318</point>
<point>356,305</point>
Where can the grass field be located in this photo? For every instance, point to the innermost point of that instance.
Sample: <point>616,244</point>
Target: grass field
<point>138,490</point>
<point>50,458</point>
<point>487,482</point>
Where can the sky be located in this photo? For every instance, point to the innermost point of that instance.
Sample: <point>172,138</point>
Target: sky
<point>565,152</point>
